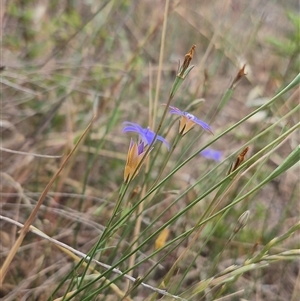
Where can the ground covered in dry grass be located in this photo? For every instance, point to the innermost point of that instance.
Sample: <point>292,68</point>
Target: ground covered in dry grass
<point>62,62</point>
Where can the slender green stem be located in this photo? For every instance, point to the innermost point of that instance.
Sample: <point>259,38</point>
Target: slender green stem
<point>177,139</point>
<point>100,242</point>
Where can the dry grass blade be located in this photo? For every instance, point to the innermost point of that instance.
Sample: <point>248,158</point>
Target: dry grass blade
<point>3,149</point>
<point>175,229</point>
<point>73,254</point>
<point>34,212</point>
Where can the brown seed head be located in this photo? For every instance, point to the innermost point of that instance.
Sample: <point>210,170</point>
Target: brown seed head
<point>187,59</point>
<point>240,159</point>
<point>240,74</point>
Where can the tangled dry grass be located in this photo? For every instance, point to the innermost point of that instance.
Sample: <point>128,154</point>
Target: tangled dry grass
<point>65,61</point>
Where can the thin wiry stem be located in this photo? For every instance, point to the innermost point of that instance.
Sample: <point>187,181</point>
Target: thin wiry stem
<point>3,149</point>
<point>160,62</point>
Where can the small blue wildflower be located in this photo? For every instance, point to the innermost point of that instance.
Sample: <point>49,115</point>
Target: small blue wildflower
<point>212,154</point>
<point>188,121</point>
<point>146,135</point>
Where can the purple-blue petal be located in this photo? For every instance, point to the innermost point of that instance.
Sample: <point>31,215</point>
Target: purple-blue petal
<point>176,111</point>
<point>163,140</point>
<point>146,135</point>
<point>132,127</point>
<point>211,154</point>
<point>141,148</point>
<point>149,135</point>
<point>202,124</point>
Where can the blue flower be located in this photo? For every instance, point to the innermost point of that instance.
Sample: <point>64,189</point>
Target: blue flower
<point>188,121</point>
<point>145,134</point>
<point>211,154</point>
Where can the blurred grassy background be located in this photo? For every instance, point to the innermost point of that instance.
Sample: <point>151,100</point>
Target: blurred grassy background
<point>65,61</point>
